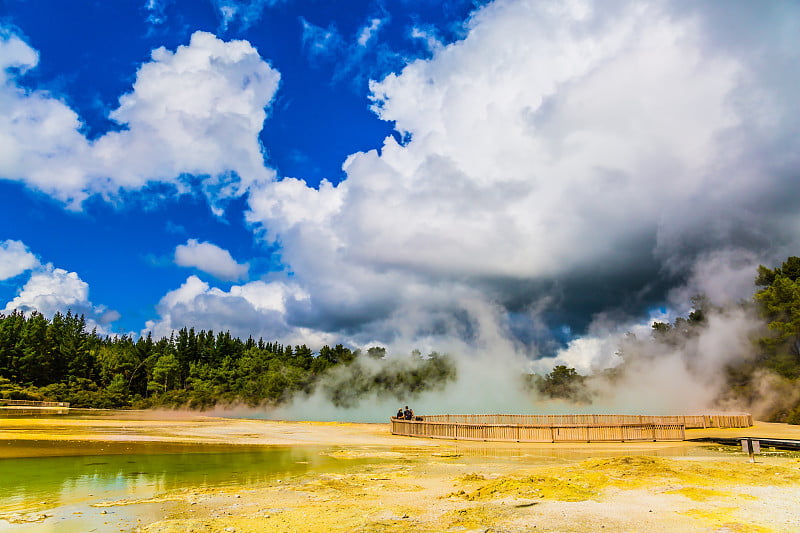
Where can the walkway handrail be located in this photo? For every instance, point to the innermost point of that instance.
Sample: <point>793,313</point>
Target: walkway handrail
<point>561,428</point>
<point>720,420</point>
<point>32,403</point>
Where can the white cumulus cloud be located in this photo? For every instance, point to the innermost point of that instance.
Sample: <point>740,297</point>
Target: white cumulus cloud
<point>257,308</point>
<point>197,111</point>
<point>50,290</point>
<point>210,258</point>
<point>15,258</point>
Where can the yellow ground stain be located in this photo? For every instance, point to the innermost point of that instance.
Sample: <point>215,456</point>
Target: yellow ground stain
<point>548,487</point>
<point>700,494</point>
<point>723,519</point>
<point>588,478</point>
<point>470,518</point>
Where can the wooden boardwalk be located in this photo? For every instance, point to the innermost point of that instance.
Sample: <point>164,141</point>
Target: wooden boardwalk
<point>31,407</point>
<point>563,428</point>
<point>4,402</point>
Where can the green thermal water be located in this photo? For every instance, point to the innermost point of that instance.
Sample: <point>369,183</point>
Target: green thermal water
<point>93,473</point>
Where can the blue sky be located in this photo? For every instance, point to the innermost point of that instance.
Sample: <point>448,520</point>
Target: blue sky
<point>434,174</point>
<point>88,57</point>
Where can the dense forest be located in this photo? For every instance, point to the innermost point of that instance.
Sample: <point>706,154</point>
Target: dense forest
<point>59,360</point>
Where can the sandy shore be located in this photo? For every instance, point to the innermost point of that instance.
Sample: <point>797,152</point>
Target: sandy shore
<point>404,484</point>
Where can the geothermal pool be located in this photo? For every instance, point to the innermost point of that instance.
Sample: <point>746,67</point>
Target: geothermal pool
<point>72,489</point>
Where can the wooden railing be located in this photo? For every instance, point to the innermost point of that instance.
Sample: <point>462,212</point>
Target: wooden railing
<point>727,420</point>
<point>527,433</point>
<point>31,403</point>
<point>561,428</point>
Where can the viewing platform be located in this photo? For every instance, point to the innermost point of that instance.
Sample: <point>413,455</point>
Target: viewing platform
<point>564,428</point>
<point>31,407</point>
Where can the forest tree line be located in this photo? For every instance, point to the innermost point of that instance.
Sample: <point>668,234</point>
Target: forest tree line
<point>60,360</point>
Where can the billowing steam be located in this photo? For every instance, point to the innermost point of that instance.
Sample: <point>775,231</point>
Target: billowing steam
<point>626,367</point>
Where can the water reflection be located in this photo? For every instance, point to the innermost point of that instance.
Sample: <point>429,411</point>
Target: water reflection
<point>143,473</point>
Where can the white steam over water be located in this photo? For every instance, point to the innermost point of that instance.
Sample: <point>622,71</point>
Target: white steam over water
<point>656,378</point>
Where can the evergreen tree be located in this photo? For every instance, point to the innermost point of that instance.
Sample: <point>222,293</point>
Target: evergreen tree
<point>779,304</point>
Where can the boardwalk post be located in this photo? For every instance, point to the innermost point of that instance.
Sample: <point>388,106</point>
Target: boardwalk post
<point>751,447</point>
